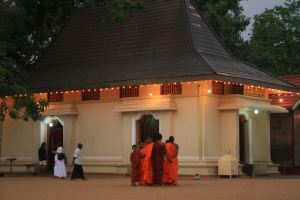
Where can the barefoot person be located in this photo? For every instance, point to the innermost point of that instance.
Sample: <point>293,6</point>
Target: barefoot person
<point>42,158</point>
<point>59,166</point>
<point>142,159</point>
<point>157,159</point>
<point>135,166</point>
<point>171,163</point>
<point>77,169</point>
<point>145,154</point>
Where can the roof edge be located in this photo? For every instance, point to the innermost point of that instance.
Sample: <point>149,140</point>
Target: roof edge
<point>159,80</point>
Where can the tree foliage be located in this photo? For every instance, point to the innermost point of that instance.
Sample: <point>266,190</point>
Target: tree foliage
<point>27,27</point>
<point>227,19</point>
<point>275,41</point>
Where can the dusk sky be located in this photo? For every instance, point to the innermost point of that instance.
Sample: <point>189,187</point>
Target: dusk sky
<point>253,7</point>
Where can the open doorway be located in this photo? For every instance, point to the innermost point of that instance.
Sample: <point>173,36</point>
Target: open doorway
<point>242,139</point>
<point>54,137</point>
<point>146,127</point>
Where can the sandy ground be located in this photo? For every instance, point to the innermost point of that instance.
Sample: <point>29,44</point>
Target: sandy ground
<point>115,188</point>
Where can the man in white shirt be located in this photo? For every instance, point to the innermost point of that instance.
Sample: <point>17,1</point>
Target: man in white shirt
<point>77,169</point>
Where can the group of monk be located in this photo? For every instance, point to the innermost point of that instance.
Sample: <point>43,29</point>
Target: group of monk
<point>154,162</point>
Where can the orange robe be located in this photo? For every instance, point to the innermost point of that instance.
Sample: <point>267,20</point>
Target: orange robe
<point>170,168</point>
<point>135,167</point>
<point>146,174</point>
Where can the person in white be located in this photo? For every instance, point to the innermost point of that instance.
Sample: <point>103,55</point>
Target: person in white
<point>59,167</point>
<point>77,165</point>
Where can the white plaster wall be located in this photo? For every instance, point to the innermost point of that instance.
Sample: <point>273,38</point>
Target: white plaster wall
<point>17,139</point>
<point>229,131</point>
<point>186,128</point>
<point>100,130</point>
<point>211,127</point>
<point>261,136</point>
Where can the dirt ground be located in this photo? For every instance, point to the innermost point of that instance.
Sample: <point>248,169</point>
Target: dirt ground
<point>118,188</point>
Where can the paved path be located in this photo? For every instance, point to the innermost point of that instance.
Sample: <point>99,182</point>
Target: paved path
<point>118,188</point>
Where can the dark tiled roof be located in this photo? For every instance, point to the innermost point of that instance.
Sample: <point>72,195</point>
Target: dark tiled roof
<point>292,79</point>
<point>168,41</point>
<point>288,100</point>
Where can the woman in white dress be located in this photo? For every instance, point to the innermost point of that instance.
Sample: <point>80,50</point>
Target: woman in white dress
<point>59,167</point>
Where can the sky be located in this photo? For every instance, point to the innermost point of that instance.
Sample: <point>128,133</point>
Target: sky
<point>253,7</point>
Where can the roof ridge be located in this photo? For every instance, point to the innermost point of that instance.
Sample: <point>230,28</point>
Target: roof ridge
<point>194,50</point>
<point>210,27</point>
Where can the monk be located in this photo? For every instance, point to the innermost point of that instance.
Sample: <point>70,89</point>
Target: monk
<point>135,166</point>
<point>145,154</point>
<point>171,163</point>
<point>142,159</point>
<point>157,159</point>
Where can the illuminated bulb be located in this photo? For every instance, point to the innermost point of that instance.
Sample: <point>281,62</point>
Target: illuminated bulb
<point>56,92</point>
<point>101,89</point>
<point>209,91</point>
<point>256,111</point>
<point>141,85</point>
<point>112,88</point>
<point>280,100</point>
<point>67,92</point>
<point>188,82</point>
<point>106,88</point>
<point>51,124</point>
<point>150,94</point>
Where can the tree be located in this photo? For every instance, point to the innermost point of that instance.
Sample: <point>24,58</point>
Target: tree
<point>275,41</point>
<point>227,19</point>
<point>27,27</point>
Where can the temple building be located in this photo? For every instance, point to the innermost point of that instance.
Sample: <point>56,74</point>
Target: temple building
<point>111,85</point>
<point>285,130</point>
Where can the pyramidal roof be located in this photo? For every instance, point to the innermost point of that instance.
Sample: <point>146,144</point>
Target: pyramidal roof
<point>168,41</point>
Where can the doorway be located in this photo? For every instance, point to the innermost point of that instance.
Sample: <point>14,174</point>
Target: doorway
<point>242,139</point>
<point>146,127</point>
<point>54,138</point>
